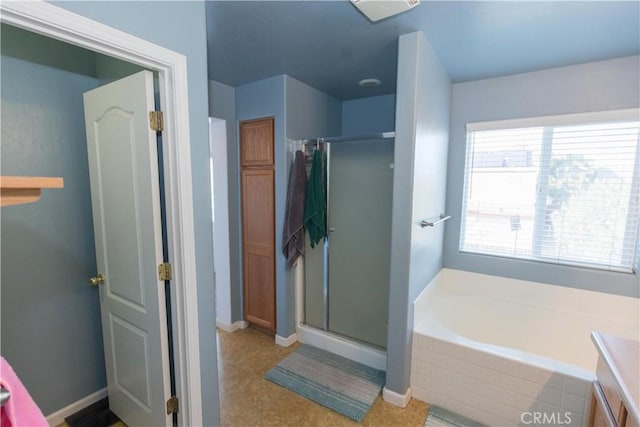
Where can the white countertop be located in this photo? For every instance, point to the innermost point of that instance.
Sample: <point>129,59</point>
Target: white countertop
<point>622,357</point>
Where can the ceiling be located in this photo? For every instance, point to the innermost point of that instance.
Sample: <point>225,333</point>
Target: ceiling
<point>331,46</point>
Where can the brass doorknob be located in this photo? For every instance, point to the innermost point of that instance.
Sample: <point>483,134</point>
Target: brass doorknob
<point>98,280</point>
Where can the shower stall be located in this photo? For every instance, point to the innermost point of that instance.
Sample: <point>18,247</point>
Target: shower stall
<point>345,284</point>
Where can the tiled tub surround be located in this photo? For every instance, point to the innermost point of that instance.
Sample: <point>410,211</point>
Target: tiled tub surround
<point>503,351</point>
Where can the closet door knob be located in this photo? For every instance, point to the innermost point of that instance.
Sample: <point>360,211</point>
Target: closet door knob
<point>95,281</point>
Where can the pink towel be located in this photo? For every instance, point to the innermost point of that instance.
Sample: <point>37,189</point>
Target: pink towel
<point>20,410</point>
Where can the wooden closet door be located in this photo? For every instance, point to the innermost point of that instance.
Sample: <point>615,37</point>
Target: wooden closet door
<point>258,222</point>
<point>256,143</point>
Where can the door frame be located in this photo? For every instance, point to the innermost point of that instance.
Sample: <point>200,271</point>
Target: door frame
<point>57,23</point>
<point>221,263</point>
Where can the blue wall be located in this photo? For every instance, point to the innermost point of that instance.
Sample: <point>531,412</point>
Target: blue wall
<point>51,329</point>
<point>109,69</point>
<point>266,98</point>
<point>422,136</point>
<point>310,114</point>
<point>37,49</point>
<point>222,105</point>
<point>181,27</point>
<point>300,111</point>
<point>369,115</point>
<point>597,86</point>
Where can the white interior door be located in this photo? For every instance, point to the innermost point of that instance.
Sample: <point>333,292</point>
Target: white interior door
<point>125,195</point>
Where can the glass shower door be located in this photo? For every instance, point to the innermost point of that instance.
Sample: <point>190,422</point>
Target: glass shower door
<point>360,191</point>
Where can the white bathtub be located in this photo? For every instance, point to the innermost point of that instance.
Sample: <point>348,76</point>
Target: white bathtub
<point>504,351</point>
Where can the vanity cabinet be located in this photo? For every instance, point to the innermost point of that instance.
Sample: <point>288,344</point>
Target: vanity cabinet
<point>616,391</point>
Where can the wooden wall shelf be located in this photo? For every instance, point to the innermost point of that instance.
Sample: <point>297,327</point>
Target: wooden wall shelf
<point>18,190</point>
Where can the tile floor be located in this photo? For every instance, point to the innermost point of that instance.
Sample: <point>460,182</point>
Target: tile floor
<point>247,399</point>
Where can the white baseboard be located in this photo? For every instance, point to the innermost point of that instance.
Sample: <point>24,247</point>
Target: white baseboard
<point>401,400</point>
<point>343,347</point>
<point>227,327</point>
<point>286,342</point>
<point>232,327</point>
<point>58,417</point>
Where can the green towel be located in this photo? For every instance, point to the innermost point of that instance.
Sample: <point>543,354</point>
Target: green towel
<point>316,205</point>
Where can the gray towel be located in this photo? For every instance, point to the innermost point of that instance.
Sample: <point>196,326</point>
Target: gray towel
<point>293,230</point>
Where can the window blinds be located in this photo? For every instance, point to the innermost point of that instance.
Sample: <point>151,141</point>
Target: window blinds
<point>561,189</point>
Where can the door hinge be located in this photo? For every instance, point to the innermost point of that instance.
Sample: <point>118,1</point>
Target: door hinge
<point>172,405</point>
<point>156,120</point>
<point>164,271</point>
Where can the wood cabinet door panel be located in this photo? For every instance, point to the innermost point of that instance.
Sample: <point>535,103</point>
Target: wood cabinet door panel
<point>260,294</point>
<point>607,383</point>
<point>256,143</point>
<point>258,223</point>
<point>258,206</point>
<point>600,414</point>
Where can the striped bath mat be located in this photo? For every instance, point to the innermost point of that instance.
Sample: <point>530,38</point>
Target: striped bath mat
<point>343,385</point>
<point>440,417</point>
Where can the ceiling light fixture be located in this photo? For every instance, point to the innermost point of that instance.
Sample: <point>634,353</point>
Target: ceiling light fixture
<point>369,82</point>
<point>376,10</point>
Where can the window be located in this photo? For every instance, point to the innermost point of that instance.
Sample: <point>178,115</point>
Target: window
<point>561,189</point>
